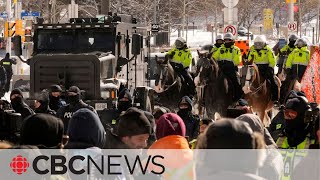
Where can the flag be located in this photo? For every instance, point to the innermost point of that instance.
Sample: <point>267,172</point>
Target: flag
<point>311,79</point>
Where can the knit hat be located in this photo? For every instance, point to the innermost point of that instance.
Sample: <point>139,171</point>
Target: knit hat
<point>16,91</point>
<point>256,125</point>
<point>133,122</point>
<point>42,129</point>
<point>229,134</point>
<point>170,124</point>
<point>74,89</point>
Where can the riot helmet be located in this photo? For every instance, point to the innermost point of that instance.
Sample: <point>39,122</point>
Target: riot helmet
<point>180,43</point>
<point>260,42</point>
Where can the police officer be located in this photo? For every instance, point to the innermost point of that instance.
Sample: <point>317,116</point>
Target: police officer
<point>180,59</point>
<point>229,57</point>
<point>217,45</point>
<point>298,60</point>
<point>110,117</point>
<point>296,134</point>
<point>261,54</point>
<point>55,101</point>
<point>75,103</point>
<point>18,104</point>
<point>7,64</point>
<point>297,129</point>
<point>41,104</point>
<point>287,49</point>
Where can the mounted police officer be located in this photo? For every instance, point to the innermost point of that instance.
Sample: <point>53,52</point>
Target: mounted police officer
<point>261,54</point>
<point>298,60</point>
<point>287,49</point>
<point>7,64</point>
<point>217,45</point>
<point>180,59</point>
<point>229,57</point>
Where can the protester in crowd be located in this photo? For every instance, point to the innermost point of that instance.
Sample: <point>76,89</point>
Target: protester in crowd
<point>171,132</point>
<point>41,104</point>
<point>75,103</point>
<point>204,123</point>
<point>110,117</point>
<point>273,166</point>
<point>221,163</point>
<point>42,130</point>
<point>55,101</point>
<point>132,132</point>
<point>18,104</point>
<point>85,130</point>
<point>159,111</point>
<point>190,120</point>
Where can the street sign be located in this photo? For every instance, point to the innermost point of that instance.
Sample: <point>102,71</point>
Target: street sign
<point>230,3</point>
<point>155,27</point>
<point>230,15</point>
<point>268,19</point>
<point>26,13</point>
<point>230,28</point>
<point>292,26</point>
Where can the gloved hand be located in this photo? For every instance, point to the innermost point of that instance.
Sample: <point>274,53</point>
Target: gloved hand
<point>179,66</point>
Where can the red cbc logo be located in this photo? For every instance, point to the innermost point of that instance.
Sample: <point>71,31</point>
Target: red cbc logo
<point>19,164</point>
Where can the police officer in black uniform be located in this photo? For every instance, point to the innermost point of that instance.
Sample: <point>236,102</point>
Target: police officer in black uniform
<point>74,103</point>
<point>7,64</point>
<point>110,117</point>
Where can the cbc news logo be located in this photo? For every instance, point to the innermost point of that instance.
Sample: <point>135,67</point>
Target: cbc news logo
<point>19,164</point>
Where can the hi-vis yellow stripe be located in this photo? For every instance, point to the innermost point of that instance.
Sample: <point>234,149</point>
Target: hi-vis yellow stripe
<point>6,63</point>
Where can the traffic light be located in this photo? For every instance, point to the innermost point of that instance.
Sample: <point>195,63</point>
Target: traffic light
<point>8,29</point>
<point>19,28</point>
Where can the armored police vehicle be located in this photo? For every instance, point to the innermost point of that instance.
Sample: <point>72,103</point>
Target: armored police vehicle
<point>95,56</point>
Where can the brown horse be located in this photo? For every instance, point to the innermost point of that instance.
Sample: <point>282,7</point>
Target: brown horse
<point>170,87</point>
<point>258,92</point>
<point>216,94</point>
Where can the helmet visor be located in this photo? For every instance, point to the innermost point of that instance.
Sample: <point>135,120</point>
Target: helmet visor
<point>179,44</point>
<point>259,45</point>
<point>300,43</point>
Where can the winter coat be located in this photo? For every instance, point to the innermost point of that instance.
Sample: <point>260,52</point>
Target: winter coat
<point>178,157</point>
<point>66,112</point>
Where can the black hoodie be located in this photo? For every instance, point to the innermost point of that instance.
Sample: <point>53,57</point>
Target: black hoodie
<point>19,105</point>
<point>190,120</point>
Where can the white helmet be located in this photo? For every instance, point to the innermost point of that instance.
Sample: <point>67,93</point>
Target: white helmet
<point>301,42</point>
<point>219,37</point>
<point>260,42</point>
<point>180,43</point>
<point>228,36</point>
